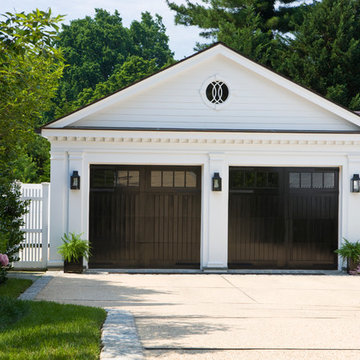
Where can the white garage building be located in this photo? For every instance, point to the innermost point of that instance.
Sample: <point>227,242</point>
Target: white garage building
<point>215,162</point>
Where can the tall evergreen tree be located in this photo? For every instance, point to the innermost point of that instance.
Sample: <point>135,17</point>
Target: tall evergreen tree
<point>249,39</point>
<point>218,18</point>
<point>324,55</point>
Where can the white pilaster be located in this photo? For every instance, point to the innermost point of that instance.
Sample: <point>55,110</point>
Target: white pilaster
<point>75,196</point>
<point>58,204</point>
<point>352,228</point>
<point>217,245</point>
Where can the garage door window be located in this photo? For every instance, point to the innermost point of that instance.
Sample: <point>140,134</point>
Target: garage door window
<point>103,178</point>
<point>177,179</point>
<point>315,180</point>
<point>253,179</point>
<point>128,178</point>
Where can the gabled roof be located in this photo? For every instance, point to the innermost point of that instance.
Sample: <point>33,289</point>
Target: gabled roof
<point>191,61</point>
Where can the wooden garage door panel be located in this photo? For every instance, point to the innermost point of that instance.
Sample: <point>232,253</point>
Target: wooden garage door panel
<point>145,216</point>
<point>313,229</point>
<point>259,235</point>
<point>288,223</point>
<point>172,227</point>
<point>113,226</point>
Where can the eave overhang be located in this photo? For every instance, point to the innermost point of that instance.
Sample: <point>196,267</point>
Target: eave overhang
<point>201,137</point>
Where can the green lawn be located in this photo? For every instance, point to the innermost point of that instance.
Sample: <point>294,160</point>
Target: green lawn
<point>45,330</point>
<point>14,287</point>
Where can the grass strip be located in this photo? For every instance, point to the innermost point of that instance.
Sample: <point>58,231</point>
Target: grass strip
<point>14,287</point>
<point>54,331</point>
<point>11,310</point>
<point>39,330</point>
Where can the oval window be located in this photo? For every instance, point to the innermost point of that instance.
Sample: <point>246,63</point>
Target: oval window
<point>217,92</point>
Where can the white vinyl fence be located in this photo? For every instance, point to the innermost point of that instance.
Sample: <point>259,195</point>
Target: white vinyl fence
<point>34,254</point>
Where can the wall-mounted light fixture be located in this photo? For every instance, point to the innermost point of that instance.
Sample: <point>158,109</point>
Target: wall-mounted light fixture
<point>75,181</point>
<point>216,182</point>
<point>355,183</point>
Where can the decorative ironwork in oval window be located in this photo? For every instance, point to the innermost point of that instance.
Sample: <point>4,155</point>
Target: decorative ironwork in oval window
<point>217,92</point>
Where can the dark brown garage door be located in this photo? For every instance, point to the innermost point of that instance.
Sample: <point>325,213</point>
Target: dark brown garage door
<point>283,218</point>
<point>145,216</point>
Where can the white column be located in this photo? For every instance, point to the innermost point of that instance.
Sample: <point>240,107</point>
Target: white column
<point>352,227</point>
<point>75,196</point>
<point>78,198</point>
<point>85,193</point>
<point>217,239</point>
<point>58,204</point>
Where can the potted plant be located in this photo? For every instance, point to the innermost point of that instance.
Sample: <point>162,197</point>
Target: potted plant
<point>350,251</point>
<point>73,250</point>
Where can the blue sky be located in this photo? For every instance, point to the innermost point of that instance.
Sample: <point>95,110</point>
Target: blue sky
<point>182,39</point>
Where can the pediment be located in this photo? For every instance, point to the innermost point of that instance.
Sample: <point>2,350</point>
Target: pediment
<point>182,97</point>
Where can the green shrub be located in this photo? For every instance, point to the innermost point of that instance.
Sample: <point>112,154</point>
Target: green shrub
<point>3,273</point>
<point>12,209</point>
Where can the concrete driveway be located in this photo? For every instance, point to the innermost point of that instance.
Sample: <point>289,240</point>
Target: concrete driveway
<point>228,316</point>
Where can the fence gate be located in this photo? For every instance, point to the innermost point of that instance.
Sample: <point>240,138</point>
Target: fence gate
<point>34,254</point>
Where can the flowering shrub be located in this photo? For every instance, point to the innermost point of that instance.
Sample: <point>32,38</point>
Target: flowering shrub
<point>4,262</point>
<point>12,209</point>
<point>355,271</point>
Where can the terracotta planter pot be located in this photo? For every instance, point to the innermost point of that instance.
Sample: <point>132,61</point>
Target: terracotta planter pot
<point>74,266</point>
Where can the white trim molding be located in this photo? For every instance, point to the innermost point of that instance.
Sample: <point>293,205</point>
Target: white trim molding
<point>190,137</point>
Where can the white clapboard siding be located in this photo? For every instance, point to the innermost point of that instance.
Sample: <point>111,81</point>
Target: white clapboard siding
<point>34,253</point>
<point>254,104</point>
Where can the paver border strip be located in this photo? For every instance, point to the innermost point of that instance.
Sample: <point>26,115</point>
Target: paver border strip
<point>119,337</point>
<point>31,292</point>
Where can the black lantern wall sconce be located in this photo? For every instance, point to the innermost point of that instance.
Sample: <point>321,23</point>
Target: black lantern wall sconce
<point>355,183</point>
<point>75,181</point>
<point>216,182</point>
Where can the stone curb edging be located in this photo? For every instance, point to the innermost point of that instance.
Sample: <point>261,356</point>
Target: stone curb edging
<point>119,337</point>
<point>31,292</point>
